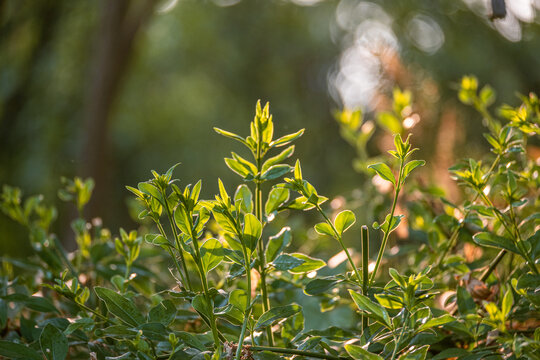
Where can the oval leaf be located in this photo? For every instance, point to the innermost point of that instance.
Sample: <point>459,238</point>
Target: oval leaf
<point>344,220</point>
<point>359,353</point>
<point>275,314</point>
<point>211,254</point>
<point>384,171</point>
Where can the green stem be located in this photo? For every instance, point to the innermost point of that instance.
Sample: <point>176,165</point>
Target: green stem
<point>492,265</point>
<point>204,281</point>
<point>176,238</point>
<point>517,240</point>
<point>298,352</point>
<point>340,240</point>
<point>455,233</point>
<point>400,336</point>
<point>162,231</point>
<point>247,313</point>
<point>365,269</point>
<point>260,245</point>
<point>387,233</point>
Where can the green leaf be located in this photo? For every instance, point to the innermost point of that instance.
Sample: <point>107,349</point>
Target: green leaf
<point>275,314</point>
<point>319,286</point>
<point>231,135</point>
<point>200,304</point>
<point>164,313</point>
<point>54,343</point>
<point>211,254</point>
<point>276,198</point>
<point>120,306</point>
<point>496,241</point>
<point>398,278</point>
<point>285,262</point>
<point>237,167</point>
<point>278,158</point>
<point>441,320</point>
<point>344,220</point>
<point>309,264</point>
<point>284,140</point>
<point>371,309</point>
<point>276,171</point>
<point>151,190</point>
<point>508,301</point>
<point>389,301</point>
<point>243,193</point>
<point>359,353</point>
<point>324,229</point>
<point>182,220</point>
<point>156,239</point>
<point>252,231</point>
<point>239,299</point>
<point>410,166</point>
<point>12,350</point>
<point>384,172</point>
<point>465,302</point>
<point>190,340</point>
<point>277,243</point>
<point>415,353</point>
<point>297,170</point>
<point>390,122</point>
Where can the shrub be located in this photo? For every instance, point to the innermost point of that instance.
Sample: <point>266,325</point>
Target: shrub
<point>231,290</point>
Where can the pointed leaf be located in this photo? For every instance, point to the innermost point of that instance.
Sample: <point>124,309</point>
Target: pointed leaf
<point>410,166</point>
<point>284,140</point>
<point>278,243</point>
<point>54,343</point>
<point>120,306</point>
<point>252,231</point>
<point>371,309</point>
<point>13,350</point>
<point>276,314</point>
<point>496,241</point>
<point>276,198</point>
<point>384,172</point>
<point>359,353</point>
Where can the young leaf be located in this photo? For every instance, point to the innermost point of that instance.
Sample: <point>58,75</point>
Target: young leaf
<point>275,172</point>
<point>324,229</point>
<point>344,220</point>
<point>297,170</point>
<point>384,171</point>
<point>284,140</point>
<point>277,243</point>
<point>244,194</point>
<point>359,353</point>
<point>278,158</point>
<point>120,306</point>
<point>231,135</point>
<point>276,198</point>
<point>275,314</point>
<point>54,343</point>
<point>237,167</point>
<point>211,254</point>
<point>441,320</point>
<point>410,166</point>
<point>252,231</point>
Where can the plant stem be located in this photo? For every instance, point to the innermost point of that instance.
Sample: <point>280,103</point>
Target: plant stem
<point>260,245</point>
<point>365,268</point>
<point>298,352</point>
<point>340,240</point>
<point>387,233</point>
<point>162,231</point>
<point>492,265</point>
<point>455,233</point>
<point>247,313</point>
<point>177,240</point>
<point>400,336</point>
<point>515,237</point>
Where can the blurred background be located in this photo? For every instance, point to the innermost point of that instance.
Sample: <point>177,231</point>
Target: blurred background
<point>113,89</point>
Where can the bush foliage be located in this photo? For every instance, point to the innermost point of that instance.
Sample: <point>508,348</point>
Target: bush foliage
<point>212,279</point>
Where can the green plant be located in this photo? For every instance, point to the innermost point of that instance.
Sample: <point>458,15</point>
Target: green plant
<point>222,278</point>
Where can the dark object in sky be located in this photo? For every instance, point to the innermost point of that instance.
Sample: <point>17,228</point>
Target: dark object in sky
<point>498,9</point>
